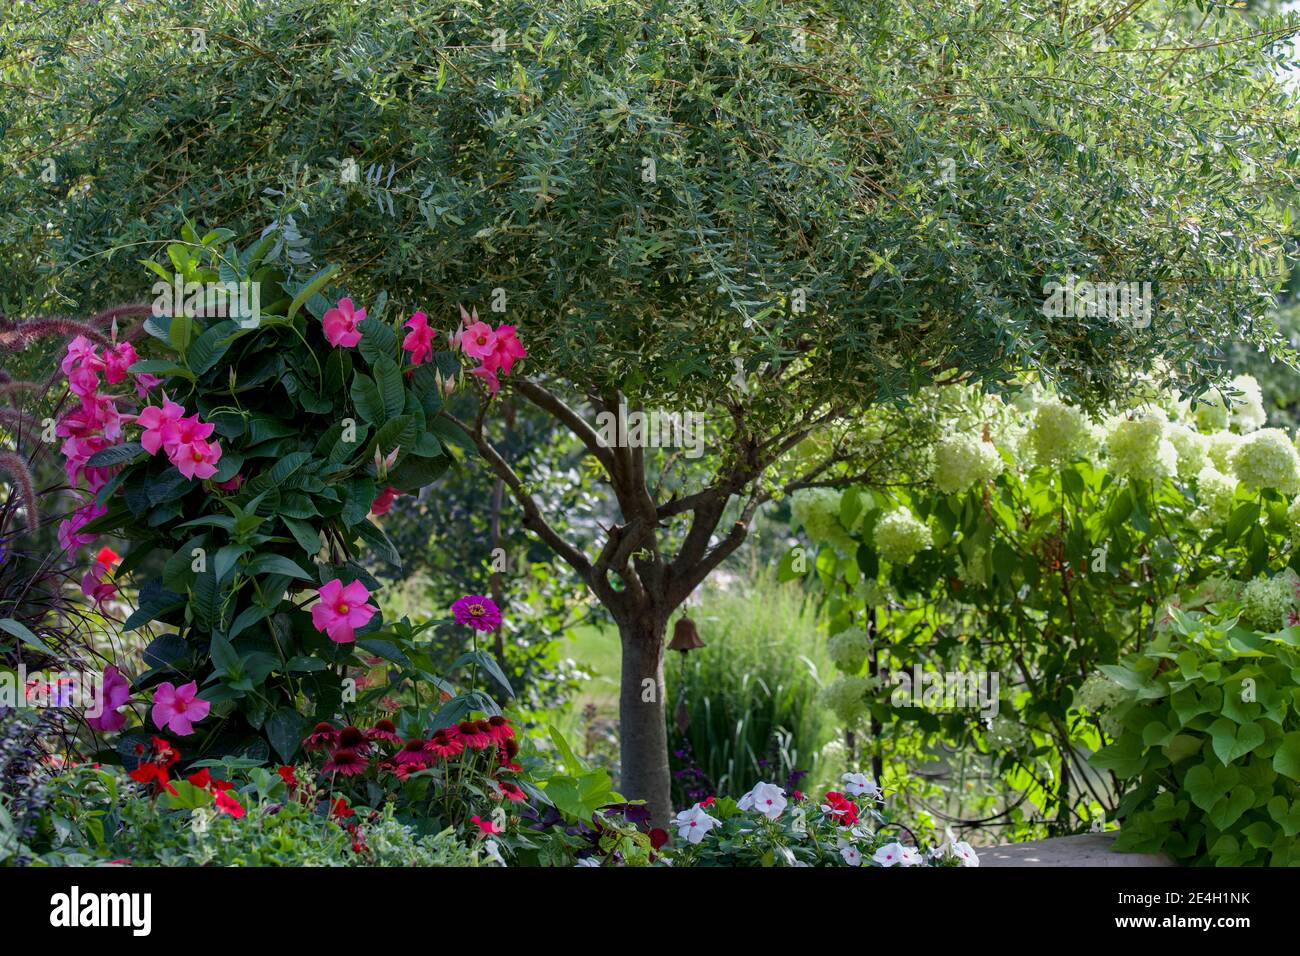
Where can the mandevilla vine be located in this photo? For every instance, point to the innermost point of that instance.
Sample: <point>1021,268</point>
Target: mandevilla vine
<point>241,455</point>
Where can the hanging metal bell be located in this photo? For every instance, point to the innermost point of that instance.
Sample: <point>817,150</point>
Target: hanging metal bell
<point>685,636</point>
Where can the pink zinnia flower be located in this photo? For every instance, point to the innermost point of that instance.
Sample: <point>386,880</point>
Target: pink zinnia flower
<point>341,610</point>
<point>384,501</point>
<point>477,611</point>
<point>341,322</point>
<point>419,341</point>
<point>117,690</point>
<point>178,708</point>
<point>197,459</point>
<point>156,421</point>
<point>478,340</point>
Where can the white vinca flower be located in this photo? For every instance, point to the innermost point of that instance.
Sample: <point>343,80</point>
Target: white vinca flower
<point>767,798</point>
<point>851,854</point>
<point>953,849</point>
<point>694,823</point>
<point>859,784</point>
<point>895,854</point>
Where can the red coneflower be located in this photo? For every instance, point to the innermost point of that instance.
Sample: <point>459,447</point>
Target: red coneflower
<point>443,746</point>
<point>345,761</point>
<point>511,791</point>
<point>384,730</point>
<point>353,738</point>
<point>412,753</point>
<point>473,735</point>
<point>499,729</point>
<point>323,735</point>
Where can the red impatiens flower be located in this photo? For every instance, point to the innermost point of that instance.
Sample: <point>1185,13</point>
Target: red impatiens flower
<point>413,752</point>
<point>384,730</point>
<point>499,729</point>
<point>352,738</point>
<point>323,735</point>
<point>474,734</point>
<point>227,804</point>
<point>487,827</point>
<point>511,791</point>
<point>443,745</point>
<point>345,761</point>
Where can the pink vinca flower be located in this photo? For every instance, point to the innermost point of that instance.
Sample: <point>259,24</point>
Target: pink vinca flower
<point>178,708</point>
<point>117,690</point>
<point>341,610</point>
<point>341,324</point>
<point>419,341</point>
<point>156,421</point>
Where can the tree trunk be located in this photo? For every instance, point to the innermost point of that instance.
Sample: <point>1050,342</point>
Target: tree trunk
<point>641,712</point>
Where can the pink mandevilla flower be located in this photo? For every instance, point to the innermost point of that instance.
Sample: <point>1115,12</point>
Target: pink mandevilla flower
<point>478,340</point>
<point>341,610</point>
<point>156,421</point>
<point>419,341</point>
<point>117,690</point>
<point>178,708</point>
<point>341,322</point>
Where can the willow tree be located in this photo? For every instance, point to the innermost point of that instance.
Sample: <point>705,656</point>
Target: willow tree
<point>775,215</point>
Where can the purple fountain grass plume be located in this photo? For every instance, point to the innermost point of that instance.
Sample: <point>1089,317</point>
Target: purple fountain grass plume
<point>13,465</point>
<point>20,334</point>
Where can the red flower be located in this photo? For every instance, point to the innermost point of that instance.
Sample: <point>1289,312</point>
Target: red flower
<point>323,735</point>
<point>486,827</point>
<point>341,809</point>
<point>412,753</point>
<point>228,804</point>
<point>345,761</point>
<point>708,801</point>
<point>202,779</point>
<point>474,734</point>
<point>164,753</point>
<point>352,738</point>
<point>443,746</point>
<point>843,809</point>
<point>384,730</point>
<point>289,776</point>
<point>511,791</point>
<point>658,837</point>
<point>499,729</point>
<point>154,774</point>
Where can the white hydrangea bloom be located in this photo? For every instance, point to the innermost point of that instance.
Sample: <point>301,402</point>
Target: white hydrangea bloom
<point>1192,448</point>
<point>963,461</point>
<point>899,535</point>
<point>1267,459</point>
<point>846,697</point>
<point>1248,408</point>
<point>1216,492</point>
<point>1220,447</point>
<point>818,511</point>
<point>1139,448</point>
<point>1059,432</point>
